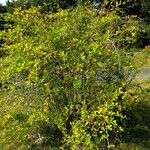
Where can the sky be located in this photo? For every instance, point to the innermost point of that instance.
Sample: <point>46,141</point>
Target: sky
<point>3,2</point>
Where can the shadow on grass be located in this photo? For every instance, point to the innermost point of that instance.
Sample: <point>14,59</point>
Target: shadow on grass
<point>47,137</point>
<point>138,123</point>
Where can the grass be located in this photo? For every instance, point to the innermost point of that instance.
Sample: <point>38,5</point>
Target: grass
<point>138,130</point>
<point>141,57</point>
<point>133,146</point>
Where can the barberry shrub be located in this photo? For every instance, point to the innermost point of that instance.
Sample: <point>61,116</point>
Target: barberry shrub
<point>68,70</point>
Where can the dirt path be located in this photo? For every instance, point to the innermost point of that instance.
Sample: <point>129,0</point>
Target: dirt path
<point>144,74</point>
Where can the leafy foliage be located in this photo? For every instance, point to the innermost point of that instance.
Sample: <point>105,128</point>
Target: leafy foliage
<point>67,69</point>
